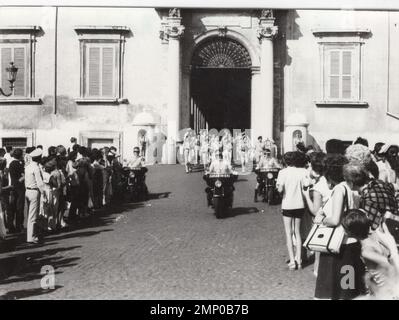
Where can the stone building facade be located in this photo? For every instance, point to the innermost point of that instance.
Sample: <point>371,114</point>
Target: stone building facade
<point>106,75</point>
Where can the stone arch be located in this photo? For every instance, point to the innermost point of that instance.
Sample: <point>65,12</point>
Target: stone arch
<point>229,34</point>
<point>221,53</point>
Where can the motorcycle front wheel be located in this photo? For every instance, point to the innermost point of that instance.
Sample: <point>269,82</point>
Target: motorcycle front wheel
<point>270,196</point>
<point>218,204</point>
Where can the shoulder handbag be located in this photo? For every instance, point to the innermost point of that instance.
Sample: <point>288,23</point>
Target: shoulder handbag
<point>326,239</point>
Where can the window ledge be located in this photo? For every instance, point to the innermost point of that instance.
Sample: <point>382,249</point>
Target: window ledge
<point>101,100</point>
<point>20,101</point>
<point>343,104</point>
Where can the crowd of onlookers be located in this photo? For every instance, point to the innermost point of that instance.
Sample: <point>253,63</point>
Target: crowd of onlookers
<point>350,187</point>
<point>353,188</point>
<point>55,189</point>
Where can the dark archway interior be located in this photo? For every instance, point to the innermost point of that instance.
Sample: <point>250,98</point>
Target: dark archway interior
<point>223,97</point>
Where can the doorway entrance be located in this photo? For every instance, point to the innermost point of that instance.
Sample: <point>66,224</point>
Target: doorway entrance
<point>220,86</point>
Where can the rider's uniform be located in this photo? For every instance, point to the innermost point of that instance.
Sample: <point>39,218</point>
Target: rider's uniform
<point>220,166</point>
<point>135,162</point>
<point>259,146</point>
<point>267,163</point>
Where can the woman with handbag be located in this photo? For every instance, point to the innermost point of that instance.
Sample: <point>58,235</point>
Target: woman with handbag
<point>340,275</point>
<point>317,193</point>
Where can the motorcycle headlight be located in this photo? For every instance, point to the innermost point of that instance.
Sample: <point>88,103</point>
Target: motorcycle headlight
<point>131,175</point>
<point>218,183</point>
<point>270,175</point>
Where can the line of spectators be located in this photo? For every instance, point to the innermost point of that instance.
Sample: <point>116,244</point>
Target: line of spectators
<point>71,181</point>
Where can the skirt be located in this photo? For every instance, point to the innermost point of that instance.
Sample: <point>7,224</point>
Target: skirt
<point>341,276</point>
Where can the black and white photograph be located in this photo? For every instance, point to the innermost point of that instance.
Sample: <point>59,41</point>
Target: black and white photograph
<point>204,151</point>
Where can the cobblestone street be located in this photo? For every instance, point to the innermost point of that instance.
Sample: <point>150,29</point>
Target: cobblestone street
<point>171,247</point>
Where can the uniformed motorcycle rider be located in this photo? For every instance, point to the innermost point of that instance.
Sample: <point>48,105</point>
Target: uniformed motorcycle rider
<point>137,161</point>
<point>218,166</point>
<point>266,162</point>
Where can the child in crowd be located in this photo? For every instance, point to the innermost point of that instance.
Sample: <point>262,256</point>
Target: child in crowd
<point>378,252</point>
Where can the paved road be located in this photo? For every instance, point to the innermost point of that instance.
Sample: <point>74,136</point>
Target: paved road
<point>171,247</point>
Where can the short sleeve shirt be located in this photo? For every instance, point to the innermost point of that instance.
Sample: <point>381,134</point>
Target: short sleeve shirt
<point>290,179</point>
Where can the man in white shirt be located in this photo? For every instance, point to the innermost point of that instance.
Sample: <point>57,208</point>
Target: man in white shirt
<point>34,190</point>
<point>8,156</point>
<point>220,166</point>
<point>266,161</point>
<point>137,161</point>
<point>260,145</point>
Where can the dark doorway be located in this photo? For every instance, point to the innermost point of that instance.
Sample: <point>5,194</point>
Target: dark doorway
<point>221,98</point>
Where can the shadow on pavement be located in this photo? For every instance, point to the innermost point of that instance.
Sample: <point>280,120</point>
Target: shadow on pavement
<point>69,235</point>
<point>21,294</point>
<point>21,262</point>
<point>155,196</point>
<point>241,210</point>
<point>27,266</point>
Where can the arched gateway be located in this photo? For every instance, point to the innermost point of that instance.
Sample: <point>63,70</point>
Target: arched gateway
<point>220,85</point>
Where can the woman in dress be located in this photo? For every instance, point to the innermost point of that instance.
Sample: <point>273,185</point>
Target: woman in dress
<point>333,268</point>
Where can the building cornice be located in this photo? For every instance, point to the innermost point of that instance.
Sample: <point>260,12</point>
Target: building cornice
<point>20,29</point>
<point>319,32</point>
<point>102,29</point>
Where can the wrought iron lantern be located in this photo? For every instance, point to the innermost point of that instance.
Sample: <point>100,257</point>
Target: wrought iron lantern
<point>11,77</point>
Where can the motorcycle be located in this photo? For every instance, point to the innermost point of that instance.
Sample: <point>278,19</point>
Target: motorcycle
<point>134,184</point>
<point>267,185</point>
<point>220,192</point>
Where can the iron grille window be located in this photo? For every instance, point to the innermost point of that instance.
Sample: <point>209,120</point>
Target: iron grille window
<point>15,142</point>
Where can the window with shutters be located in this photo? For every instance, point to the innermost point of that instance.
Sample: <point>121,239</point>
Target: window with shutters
<point>101,70</point>
<point>101,63</point>
<point>341,74</point>
<point>341,66</point>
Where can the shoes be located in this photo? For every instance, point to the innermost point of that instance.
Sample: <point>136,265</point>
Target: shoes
<point>292,266</point>
<point>295,265</point>
<point>11,230</point>
<point>35,241</point>
<point>298,265</point>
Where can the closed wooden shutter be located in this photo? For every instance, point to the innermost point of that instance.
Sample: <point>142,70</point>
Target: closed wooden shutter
<point>6,58</point>
<point>334,74</point>
<point>19,62</point>
<point>108,72</point>
<point>94,72</point>
<point>346,74</point>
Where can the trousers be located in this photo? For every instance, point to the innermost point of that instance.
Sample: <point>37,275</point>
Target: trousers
<point>33,203</point>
